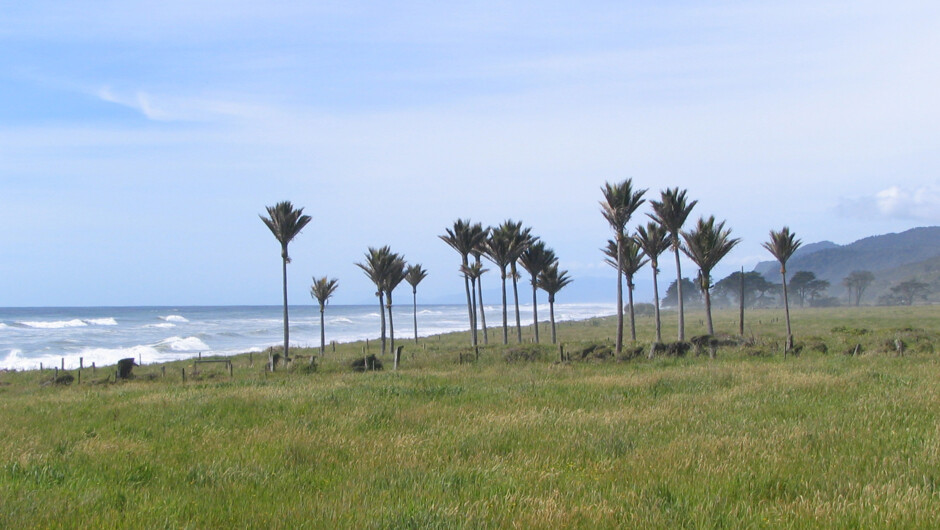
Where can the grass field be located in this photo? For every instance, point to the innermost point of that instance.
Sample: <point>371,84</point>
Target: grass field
<point>749,439</point>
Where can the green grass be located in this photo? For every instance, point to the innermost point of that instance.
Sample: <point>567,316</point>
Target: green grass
<point>746,440</point>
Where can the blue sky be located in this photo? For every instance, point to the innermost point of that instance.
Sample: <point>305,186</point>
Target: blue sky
<point>139,140</point>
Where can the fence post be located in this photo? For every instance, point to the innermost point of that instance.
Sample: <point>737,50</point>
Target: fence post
<point>81,363</point>
<point>184,374</point>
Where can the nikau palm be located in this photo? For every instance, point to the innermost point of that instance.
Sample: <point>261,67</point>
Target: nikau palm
<point>706,245</point>
<point>376,268</point>
<point>474,271</point>
<point>393,277</point>
<point>463,238</point>
<point>520,239</point>
<point>551,280</point>
<point>414,275</point>
<point>497,248</point>
<point>652,239</point>
<point>536,259</point>
<point>285,222</point>
<point>782,245</point>
<point>631,261</point>
<point>671,212</point>
<point>619,204</point>
<point>322,289</point>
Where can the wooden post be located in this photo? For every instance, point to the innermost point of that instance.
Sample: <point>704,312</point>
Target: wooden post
<point>79,377</point>
<point>56,376</point>
<point>40,367</point>
<point>367,344</point>
<point>899,346</point>
<point>163,371</point>
<point>93,369</point>
<point>231,373</point>
<point>63,364</point>
<point>561,352</point>
<point>140,359</point>
<point>200,355</point>
<point>184,374</point>
<point>81,363</point>
<point>741,315</point>
<point>334,345</point>
<point>251,361</point>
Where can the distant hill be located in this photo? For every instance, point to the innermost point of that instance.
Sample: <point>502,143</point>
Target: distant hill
<point>892,258</point>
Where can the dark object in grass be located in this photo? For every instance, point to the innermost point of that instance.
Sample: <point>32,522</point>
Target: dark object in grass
<point>701,342</point>
<point>598,352</point>
<point>64,379</point>
<point>524,353</point>
<point>678,349</point>
<point>366,363</point>
<point>854,350</point>
<point>125,367</point>
<point>819,347</point>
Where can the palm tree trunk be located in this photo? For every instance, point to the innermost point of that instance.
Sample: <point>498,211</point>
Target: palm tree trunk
<point>382,315</point>
<point>632,314</point>
<point>414,295</point>
<point>515,296</point>
<point>391,328</point>
<point>551,312</point>
<point>505,310</point>
<point>619,299</point>
<point>535,309</point>
<point>286,325</point>
<point>741,300</point>
<point>786,309</point>
<point>659,327</point>
<point>322,333</point>
<point>473,327</point>
<point>486,334</point>
<point>473,310</point>
<point>675,247</point>
<point>708,312</point>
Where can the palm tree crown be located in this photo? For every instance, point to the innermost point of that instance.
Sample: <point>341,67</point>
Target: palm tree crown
<point>285,222</point>
<point>671,212</point>
<point>654,240</point>
<point>706,245</point>
<point>536,258</point>
<point>782,245</point>
<point>551,280</point>
<point>323,289</point>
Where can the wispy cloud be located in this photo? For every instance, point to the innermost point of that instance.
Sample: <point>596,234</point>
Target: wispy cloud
<point>896,202</point>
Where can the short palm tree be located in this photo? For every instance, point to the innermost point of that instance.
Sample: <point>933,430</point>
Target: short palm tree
<point>414,275</point>
<point>376,266</point>
<point>653,240</point>
<point>464,237</point>
<point>323,289</point>
<point>631,260</point>
<point>619,204</point>
<point>394,275</point>
<point>782,245</point>
<point>551,280</point>
<point>536,259</point>
<point>671,212</point>
<point>285,222</point>
<point>706,245</point>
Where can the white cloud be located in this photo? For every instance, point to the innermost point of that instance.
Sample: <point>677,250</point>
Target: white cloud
<point>896,202</point>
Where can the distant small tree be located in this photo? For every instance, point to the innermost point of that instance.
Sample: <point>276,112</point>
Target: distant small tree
<point>908,290</point>
<point>322,290</point>
<point>414,275</point>
<point>691,295</point>
<point>551,280</point>
<point>754,285</point>
<point>807,287</point>
<point>856,283</point>
<point>782,245</point>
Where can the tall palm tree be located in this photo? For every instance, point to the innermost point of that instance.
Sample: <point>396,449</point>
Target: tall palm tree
<point>535,259</point>
<point>323,289</point>
<point>671,212</point>
<point>619,204</point>
<point>285,222</point>
<point>551,280</point>
<point>414,275</point>
<point>782,245</point>
<point>478,292</point>
<point>376,267</point>
<point>393,277</point>
<point>631,260</point>
<point>520,239</point>
<point>497,249</point>
<point>463,238</point>
<point>706,245</point>
<point>652,239</point>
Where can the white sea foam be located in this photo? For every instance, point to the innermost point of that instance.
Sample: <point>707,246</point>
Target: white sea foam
<point>3,326</point>
<point>174,318</point>
<point>162,325</point>
<point>58,324</point>
<point>341,320</point>
<point>180,344</point>
<point>110,321</point>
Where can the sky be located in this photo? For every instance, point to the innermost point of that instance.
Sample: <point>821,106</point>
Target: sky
<point>140,140</point>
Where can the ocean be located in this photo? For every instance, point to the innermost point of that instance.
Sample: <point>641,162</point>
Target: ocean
<point>103,335</point>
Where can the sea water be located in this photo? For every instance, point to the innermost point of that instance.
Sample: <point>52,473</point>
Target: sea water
<point>103,335</point>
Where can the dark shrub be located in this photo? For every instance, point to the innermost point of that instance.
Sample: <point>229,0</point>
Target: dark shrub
<point>364,363</point>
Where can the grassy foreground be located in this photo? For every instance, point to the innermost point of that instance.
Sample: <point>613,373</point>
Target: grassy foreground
<point>746,440</point>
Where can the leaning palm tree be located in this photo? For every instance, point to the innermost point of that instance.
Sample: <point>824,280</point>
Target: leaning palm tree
<point>414,275</point>
<point>285,222</point>
<point>497,248</point>
<point>652,239</point>
<point>376,266</point>
<point>782,245</point>
<point>394,275</point>
<point>463,238</point>
<point>551,280</point>
<point>323,289</point>
<point>619,204</point>
<point>535,259</point>
<point>706,245</point>
<point>632,260</point>
<point>671,212</point>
